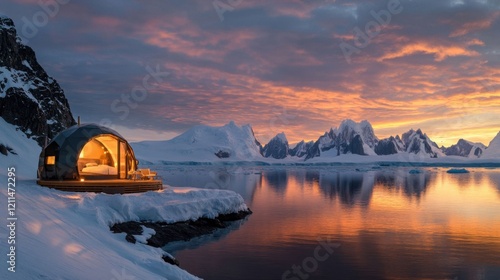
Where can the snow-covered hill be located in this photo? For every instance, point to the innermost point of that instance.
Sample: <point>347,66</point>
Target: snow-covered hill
<point>203,144</point>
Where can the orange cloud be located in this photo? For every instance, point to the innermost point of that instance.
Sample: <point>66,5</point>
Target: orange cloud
<point>441,52</point>
<point>480,24</point>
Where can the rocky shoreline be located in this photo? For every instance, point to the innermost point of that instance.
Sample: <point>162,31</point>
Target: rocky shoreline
<point>179,231</point>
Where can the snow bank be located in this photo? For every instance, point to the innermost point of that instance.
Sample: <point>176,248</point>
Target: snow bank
<point>64,235</point>
<point>169,205</point>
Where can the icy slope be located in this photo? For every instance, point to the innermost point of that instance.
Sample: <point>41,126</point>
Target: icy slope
<point>203,143</point>
<point>24,153</point>
<point>493,149</point>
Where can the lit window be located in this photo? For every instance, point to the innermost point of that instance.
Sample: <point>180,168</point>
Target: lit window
<point>51,160</point>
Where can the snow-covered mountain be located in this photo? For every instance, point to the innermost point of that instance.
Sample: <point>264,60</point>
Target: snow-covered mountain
<point>277,147</point>
<point>389,146</point>
<point>29,98</point>
<point>465,148</point>
<point>235,143</point>
<point>417,142</point>
<point>300,149</point>
<point>350,138</point>
<point>203,143</point>
<point>412,142</point>
<point>493,150</point>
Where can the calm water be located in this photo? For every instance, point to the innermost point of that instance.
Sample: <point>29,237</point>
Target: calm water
<point>377,223</point>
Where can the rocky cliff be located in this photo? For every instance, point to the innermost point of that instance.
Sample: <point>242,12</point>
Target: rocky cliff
<point>29,98</point>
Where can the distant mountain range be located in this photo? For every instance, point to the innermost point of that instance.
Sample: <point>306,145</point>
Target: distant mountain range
<point>359,138</point>
<point>205,143</point>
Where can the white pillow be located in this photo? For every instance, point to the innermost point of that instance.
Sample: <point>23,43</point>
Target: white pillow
<point>90,164</point>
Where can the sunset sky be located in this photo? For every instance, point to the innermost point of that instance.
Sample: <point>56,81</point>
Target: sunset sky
<point>295,66</point>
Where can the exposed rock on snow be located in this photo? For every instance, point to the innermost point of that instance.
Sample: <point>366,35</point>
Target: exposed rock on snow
<point>350,138</point>
<point>300,149</point>
<point>417,142</point>
<point>277,147</point>
<point>465,148</point>
<point>389,146</point>
<point>179,231</point>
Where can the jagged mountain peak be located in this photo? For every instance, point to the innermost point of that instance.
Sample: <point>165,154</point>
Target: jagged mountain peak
<point>301,149</point>
<point>465,148</point>
<point>277,147</point>
<point>281,136</point>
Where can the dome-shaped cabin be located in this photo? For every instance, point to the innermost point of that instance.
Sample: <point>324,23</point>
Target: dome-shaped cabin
<point>88,155</point>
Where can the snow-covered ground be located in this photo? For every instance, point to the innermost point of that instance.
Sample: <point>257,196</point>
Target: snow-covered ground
<point>65,235</point>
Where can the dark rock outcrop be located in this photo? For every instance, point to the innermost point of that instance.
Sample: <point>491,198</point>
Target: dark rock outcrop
<point>277,147</point>
<point>417,142</point>
<point>29,98</point>
<point>463,148</point>
<point>180,231</point>
<point>300,149</point>
<point>389,146</point>
<point>223,154</point>
<point>349,138</point>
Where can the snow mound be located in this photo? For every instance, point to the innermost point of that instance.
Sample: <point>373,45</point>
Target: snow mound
<point>169,205</point>
<point>457,171</point>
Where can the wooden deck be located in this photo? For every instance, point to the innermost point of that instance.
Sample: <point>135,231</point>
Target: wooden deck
<point>114,186</point>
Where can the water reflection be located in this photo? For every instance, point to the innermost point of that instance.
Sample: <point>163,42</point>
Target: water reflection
<point>350,187</point>
<point>194,243</point>
<point>277,180</point>
<point>412,184</point>
<point>391,224</point>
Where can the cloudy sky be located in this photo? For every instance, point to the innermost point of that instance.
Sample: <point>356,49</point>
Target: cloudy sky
<point>152,69</point>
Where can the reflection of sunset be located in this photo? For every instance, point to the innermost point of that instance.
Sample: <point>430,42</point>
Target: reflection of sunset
<point>431,213</point>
